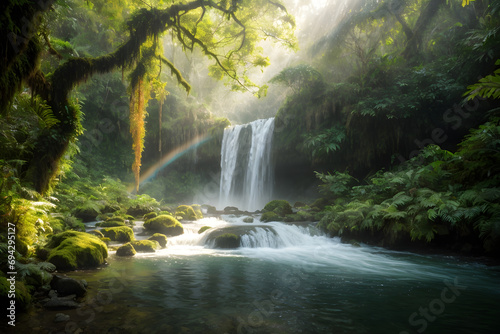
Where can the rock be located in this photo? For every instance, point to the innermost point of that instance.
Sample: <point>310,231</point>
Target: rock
<point>188,212</point>
<point>126,250</point>
<point>67,286</point>
<point>61,317</point>
<point>270,217</point>
<point>145,246</point>
<point>280,207</point>
<point>299,205</point>
<point>97,233</point>
<point>61,304</point>
<point>119,233</point>
<point>248,220</point>
<point>211,210</point>
<point>112,223</point>
<point>160,238</point>
<point>164,224</point>
<point>227,241</point>
<point>150,215</point>
<point>231,210</point>
<point>203,229</point>
<point>139,211</point>
<point>86,214</point>
<point>71,250</point>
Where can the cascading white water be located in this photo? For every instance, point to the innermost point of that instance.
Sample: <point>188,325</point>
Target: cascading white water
<point>246,167</point>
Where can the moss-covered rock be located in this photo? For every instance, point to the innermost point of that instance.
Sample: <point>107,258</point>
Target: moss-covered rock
<point>139,210</point>
<point>150,215</point>
<point>22,295</point>
<point>299,205</point>
<point>168,213</point>
<point>145,246</point>
<point>203,229</point>
<point>71,250</point>
<point>160,238</point>
<point>119,233</point>
<point>186,212</point>
<point>320,203</point>
<point>86,214</point>
<point>105,240</point>
<point>227,241</point>
<point>197,211</point>
<point>111,223</point>
<point>126,250</point>
<point>248,220</point>
<point>97,233</point>
<point>280,207</point>
<point>270,217</point>
<point>115,219</point>
<point>167,225</point>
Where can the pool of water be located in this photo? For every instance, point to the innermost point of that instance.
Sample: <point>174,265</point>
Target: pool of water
<point>288,279</point>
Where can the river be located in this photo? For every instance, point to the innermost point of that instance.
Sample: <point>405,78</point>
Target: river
<point>287,278</point>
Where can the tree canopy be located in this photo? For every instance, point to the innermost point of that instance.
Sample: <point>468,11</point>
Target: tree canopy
<point>227,32</point>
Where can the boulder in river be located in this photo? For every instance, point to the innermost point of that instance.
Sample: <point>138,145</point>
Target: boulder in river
<point>145,246</point>
<point>160,238</point>
<point>126,250</point>
<point>72,250</point>
<point>164,224</point>
<point>119,233</point>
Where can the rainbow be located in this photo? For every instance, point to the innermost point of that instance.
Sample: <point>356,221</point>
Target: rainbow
<point>173,155</point>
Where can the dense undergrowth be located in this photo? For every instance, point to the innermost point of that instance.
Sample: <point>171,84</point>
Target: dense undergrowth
<point>450,200</point>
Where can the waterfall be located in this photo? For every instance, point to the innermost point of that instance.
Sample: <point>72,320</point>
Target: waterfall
<point>246,169</point>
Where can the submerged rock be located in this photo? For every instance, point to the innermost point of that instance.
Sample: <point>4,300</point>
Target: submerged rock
<point>248,220</point>
<point>61,317</point>
<point>66,286</point>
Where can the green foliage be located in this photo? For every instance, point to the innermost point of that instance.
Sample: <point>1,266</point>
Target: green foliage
<point>325,142</point>
<point>337,184</point>
<point>298,78</point>
<point>450,194</point>
<point>22,295</point>
<point>487,87</point>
